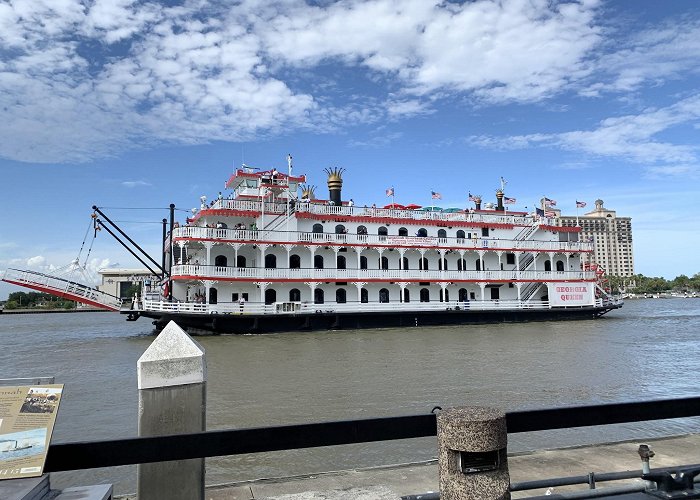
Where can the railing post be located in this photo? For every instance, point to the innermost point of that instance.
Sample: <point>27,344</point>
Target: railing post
<point>172,400</point>
<point>472,454</point>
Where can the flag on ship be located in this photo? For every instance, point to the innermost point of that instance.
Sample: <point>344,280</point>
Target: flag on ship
<point>550,202</point>
<point>471,197</point>
<point>580,204</point>
<point>390,191</point>
<point>508,201</point>
<point>435,195</point>
<point>545,213</point>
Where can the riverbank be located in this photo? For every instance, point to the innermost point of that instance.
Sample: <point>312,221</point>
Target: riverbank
<point>393,481</point>
<point>47,311</point>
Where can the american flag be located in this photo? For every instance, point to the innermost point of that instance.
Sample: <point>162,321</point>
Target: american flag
<point>580,204</point>
<point>550,213</point>
<point>435,195</point>
<point>390,191</point>
<point>550,202</point>
<point>471,197</point>
<point>508,201</point>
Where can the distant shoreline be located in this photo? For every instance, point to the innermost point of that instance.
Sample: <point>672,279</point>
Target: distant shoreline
<point>46,311</point>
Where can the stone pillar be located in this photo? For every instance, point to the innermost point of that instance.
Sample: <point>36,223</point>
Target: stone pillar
<point>172,376</point>
<point>472,454</point>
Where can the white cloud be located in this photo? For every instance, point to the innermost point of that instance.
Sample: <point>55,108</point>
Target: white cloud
<point>36,261</point>
<point>132,184</point>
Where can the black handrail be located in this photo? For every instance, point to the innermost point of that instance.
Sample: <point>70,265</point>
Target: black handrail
<point>93,454</point>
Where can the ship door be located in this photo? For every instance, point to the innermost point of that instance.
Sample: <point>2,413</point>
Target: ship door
<point>495,293</point>
<point>212,295</point>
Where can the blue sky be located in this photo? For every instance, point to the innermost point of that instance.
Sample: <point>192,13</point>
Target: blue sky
<point>139,104</point>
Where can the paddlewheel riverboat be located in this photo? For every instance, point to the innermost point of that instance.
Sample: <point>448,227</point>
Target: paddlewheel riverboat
<point>272,257</point>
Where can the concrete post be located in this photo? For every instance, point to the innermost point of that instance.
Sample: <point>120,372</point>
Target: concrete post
<point>472,454</point>
<point>172,378</point>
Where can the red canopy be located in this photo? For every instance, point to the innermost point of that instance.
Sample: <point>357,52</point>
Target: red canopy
<point>412,206</point>
<point>394,205</point>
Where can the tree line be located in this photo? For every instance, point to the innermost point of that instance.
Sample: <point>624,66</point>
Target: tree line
<point>38,300</point>
<point>644,284</point>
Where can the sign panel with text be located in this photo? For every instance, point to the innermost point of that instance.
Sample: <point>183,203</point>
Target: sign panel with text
<point>571,294</point>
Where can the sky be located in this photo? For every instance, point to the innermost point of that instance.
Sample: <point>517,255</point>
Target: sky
<point>133,105</point>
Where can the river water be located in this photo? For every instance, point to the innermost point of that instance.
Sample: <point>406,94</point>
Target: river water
<point>647,350</point>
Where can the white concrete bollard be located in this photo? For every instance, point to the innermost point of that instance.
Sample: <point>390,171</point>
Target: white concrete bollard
<point>172,376</point>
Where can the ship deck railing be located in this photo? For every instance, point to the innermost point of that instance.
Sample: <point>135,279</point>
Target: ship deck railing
<point>391,213</point>
<point>392,241</point>
<point>305,308</point>
<point>62,288</point>
<point>397,275</point>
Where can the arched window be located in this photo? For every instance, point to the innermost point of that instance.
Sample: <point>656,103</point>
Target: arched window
<point>560,265</point>
<point>463,295</point>
<point>404,263</point>
<point>240,261</point>
<point>442,264</point>
<point>382,231</point>
<point>213,295</point>
<point>442,233</point>
<point>339,229</point>
<point>423,264</point>
<point>363,262</point>
<point>318,261</point>
<point>422,232</point>
<point>294,261</point>
<point>220,261</point>
<point>318,228</point>
<point>403,231</point>
<point>318,296</point>
<point>340,262</point>
<point>270,296</point>
<point>361,230</point>
<point>340,296</point>
<point>444,295</point>
<point>384,263</point>
<point>294,295</point>
<point>424,295</point>
<point>461,265</point>
<point>384,295</point>
<point>547,265</point>
<point>460,234</point>
<point>270,261</point>
<point>364,296</point>
<point>406,295</point>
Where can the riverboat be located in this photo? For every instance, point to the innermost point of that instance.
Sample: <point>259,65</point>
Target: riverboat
<point>271,257</point>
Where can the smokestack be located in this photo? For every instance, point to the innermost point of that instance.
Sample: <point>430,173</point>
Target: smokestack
<point>499,198</point>
<point>335,184</point>
<point>477,201</point>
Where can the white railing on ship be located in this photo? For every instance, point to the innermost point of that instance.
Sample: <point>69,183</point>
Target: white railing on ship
<point>61,285</point>
<point>319,209</point>
<point>350,307</point>
<point>262,274</point>
<point>262,236</point>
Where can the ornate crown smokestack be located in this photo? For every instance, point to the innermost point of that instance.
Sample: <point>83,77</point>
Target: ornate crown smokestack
<point>308,192</point>
<point>499,199</point>
<point>477,201</point>
<point>335,184</point>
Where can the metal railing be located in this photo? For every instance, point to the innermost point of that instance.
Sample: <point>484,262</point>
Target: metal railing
<point>138,450</point>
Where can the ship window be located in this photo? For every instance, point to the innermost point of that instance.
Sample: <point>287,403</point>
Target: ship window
<point>424,295</point>
<point>484,231</point>
<point>423,264</point>
<point>384,263</point>
<point>403,231</point>
<point>547,265</point>
<point>364,296</point>
<point>220,261</point>
<point>442,233</point>
<point>340,262</point>
<point>382,231</point>
<point>361,230</point>
<point>318,262</point>
<point>384,295</point>
<point>560,265</point>
<point>270,296</point>
<point>240,261</point>
<point>510,258</point>
<point>318,228</point>
<point>463,295</point>
<point>340,296</point>
<point>270,261</point>
<point>294,261</point>
<point>460,234</point>
<point>363,262</point>
<point>422,232</point>
<point>213,293</point>
<point>294,295</point>
<point>318,296</point>
<point>404,263</point>
<point>406,295</point>
<point>339,229</point>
